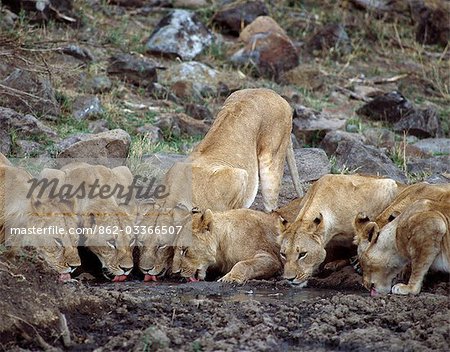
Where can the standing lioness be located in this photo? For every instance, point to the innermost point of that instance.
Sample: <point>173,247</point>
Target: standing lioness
<point>247,143</point>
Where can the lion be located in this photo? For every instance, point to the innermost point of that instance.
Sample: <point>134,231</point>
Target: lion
<point>246,145</point>
<point>419,236</point>
<point>404,199</point>
<point>289,212</point>
<point>328,210</point>
<point>240,243</point>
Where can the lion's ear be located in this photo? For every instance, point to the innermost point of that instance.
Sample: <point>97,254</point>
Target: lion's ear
<point>371,232</point>
<point>206,219</point>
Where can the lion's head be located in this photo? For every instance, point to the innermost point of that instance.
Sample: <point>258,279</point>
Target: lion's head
<point>302,249</point>
<point>195,254</point>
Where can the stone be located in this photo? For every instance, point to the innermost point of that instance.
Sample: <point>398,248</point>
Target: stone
<point>158,164</point>
<point>8,18</point>
<point>87,107</point>
<point>332,139</point>
<point>232,17</point>
<point>168,124</point>
<point>25,125</point>
<point>421,123</point>
<point>305,76</point>
<point>98,126</point>
<point>151,133</point>
<point>78,52</point>
<point>98,84</point>
<point>190,4</point>
<point>136,70</point>
<point>270,53</point>
<point>28,148</point>
<point>198,112</point>
<point>310,126</point>
<point>108,148</point>
<point>45,10</point>
<point>356,157</point>
<point>431,165</point>
<point>190,126</point>
<point>438,178</point>
<point>5,142</point>
<point>434,145</point>
<point>379,137</point>
<point>331,36</point>
<point>389,107</point>
<point>261,24</point>
<point>312,164</point>
<point>29,93</point>
<point>434,26</point>
<point>179,34</point>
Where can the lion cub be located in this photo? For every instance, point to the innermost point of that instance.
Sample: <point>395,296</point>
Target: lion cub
<point>420,236</point>
<point>240,243</point>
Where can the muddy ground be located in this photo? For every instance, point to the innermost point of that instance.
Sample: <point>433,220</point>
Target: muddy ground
<point>210,316</point>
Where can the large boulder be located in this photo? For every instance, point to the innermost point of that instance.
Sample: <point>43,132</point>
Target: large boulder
<point>108,148</point>
<point>312,163</point>
<point>179,34</point>
<point>29,93</point>
<point>233,16</point>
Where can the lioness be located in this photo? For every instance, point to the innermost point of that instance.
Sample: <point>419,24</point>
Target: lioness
<point>239,243</point>
<point>404,199</point>
<point>329,208</point>
<point>247,143</point>
<point>420,235</point>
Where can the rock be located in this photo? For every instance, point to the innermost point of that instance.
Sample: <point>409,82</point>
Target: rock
<point>232,17</point>
<point>79,53</point>
<point>168,124</point>
<point>438,178</point>
<point>434,145</point>
<point>434,26</point>
<point>98,126</point>
<point>267,48</point>
<point>29,93</point>
<point>432,165</point>
<point>159,163</point>
<point>154,337</point>
<point>332,139</point>
<point>107,148</point>
<point>151,133</point>
<point>190,4</point>
<point>136,70</point>
<point>179,34</point>
<point>44,10</point>
<point>308,77</point>
<point>310,126</point>
<point>420,123</point>
<point>87,107</point>
<point>331,36</point>
<point>190,126</point>
<point>367,92</point>
<point>5,142</point>
<point>360,158</point>
<point>98,84</point>
<point>390,107</point>
<point>312,164</point>
<point>25,125</point>
<point>379,137</point>
<point>8,18</point>
<point>28,148</point>
<point>198,112</point>
<point>191,79</point>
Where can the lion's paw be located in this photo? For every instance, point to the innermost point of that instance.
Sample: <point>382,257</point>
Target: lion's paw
<point>402,289</point>
<point>232,278</point>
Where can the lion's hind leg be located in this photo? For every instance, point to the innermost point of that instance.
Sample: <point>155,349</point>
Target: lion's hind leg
<point>423,248</point>
<point>270,173</point>
<point>262,265</point>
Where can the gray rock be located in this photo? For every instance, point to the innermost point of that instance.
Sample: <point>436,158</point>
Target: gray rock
<point>107,148</point>
<point>434,145</point>
<point>156,165</point>
<point>331,36</point>
<point>198,112</point>
<point>8,18</point>
<point>98,84</point>
<point>5,142</point>
<point>98,126</point>
<point>420,123</point>
<point>139,71</point>
<point>25,125</point>
<point>379,137</point>
<point>390,107</point>
<point>310,126</point>
<point>87,107</point>
<point>29,93</point>
<point>333,138</point>
<point>231,17</point>
<point>357,157</point>
<point>436,164</point>
<point>179,34</point>
<point>312,163</point>
<point>438,178</point>
<point>28,148</point>
<point>78,52</point>
<point>151,133</point>
<point>168,123</point>
<point>190,126</point>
